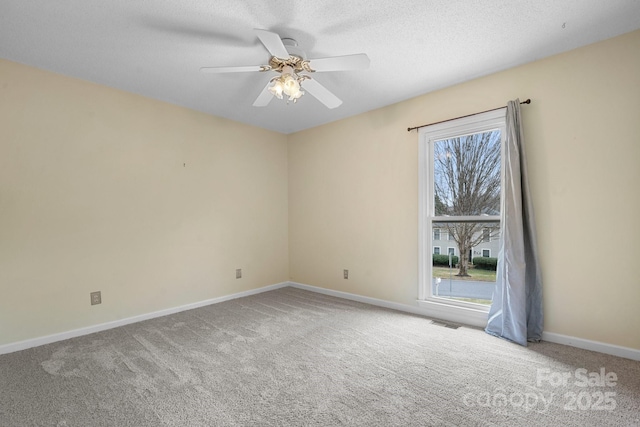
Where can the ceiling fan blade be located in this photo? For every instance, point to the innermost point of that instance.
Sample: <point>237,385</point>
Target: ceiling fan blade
<point>358,61</point>
<point>264,98</point>
<point>232,69</point>
<point>321,93</point>
<point>273,43</point>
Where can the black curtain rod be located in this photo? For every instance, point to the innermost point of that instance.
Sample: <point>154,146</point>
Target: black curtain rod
<point>528,101</point>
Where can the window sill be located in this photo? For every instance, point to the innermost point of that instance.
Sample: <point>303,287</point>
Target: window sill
<point>466,315</point>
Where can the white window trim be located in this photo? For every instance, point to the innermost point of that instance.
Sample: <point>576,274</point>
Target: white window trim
<point>449,250</point>
<point>433,251</point>
<point>450,129</point>
<point>488,250</point>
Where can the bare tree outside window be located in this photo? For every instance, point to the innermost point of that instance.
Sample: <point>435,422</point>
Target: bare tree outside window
<point>467,183</point>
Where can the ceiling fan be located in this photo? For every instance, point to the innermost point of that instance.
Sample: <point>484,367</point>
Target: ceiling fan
<point>294,71</point>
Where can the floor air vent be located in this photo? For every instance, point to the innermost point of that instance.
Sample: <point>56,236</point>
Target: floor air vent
<point>445,324</point>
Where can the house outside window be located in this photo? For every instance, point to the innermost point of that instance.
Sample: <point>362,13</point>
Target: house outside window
<point>486,235</point>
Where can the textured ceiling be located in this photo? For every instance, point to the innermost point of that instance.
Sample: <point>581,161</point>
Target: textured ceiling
<point>156,47</point>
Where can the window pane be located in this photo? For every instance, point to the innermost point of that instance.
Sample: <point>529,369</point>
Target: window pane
<point>462,280</point>
<point>460,183</point>
<point>467,175</point>
<point>436,250</point>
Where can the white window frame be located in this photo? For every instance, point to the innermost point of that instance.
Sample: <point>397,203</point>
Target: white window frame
<point>484,122</point>
<point>450,251</point>
<point>488,250</point>
<point>439,234</point>
<point>434,250</point>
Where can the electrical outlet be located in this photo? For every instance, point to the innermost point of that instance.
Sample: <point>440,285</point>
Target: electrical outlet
<point>96,298</point>
<point>346,273</point>
<point>238,273</point>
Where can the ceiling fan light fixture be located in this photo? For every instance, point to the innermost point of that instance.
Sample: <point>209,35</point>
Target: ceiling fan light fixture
<point>287,84</point>
<point>295,96</point>
<point>291,85</point>
<point>277,88</point>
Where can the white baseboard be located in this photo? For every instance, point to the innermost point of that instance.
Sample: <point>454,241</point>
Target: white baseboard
<point>431,312</point>
<point>615,350</point>
<point>600,347</point>
<point>477,319</point>
<point>34,342</point>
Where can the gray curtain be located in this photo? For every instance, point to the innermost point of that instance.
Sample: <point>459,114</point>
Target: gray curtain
<point>516,311</point>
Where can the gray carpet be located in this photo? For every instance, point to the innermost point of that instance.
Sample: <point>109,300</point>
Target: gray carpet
<point>296,358</point>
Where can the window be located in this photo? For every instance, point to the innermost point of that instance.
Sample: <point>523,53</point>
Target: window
<point>436,234</point>
<point>486,253</point>
<point>461,177</point>
<point>436,250</point>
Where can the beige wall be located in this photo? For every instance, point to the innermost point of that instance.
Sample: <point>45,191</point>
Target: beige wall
<point>353,189</point>
<point>152,204</point>
<point>156,205</point>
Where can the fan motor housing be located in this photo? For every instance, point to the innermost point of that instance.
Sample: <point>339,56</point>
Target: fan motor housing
<point>297,58</point>
<point>296,62</point>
